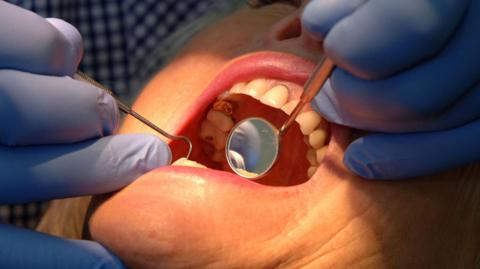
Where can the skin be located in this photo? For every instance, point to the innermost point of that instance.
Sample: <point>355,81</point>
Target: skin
<point>333,220</point>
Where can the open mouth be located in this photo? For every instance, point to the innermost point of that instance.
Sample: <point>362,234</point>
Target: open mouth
<point>267,85</point>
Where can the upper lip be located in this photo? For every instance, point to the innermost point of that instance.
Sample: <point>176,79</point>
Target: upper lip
<point>273,65</point>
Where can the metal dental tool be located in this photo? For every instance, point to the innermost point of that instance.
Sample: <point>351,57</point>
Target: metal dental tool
<point>253,145</point>
<point>126,109</point>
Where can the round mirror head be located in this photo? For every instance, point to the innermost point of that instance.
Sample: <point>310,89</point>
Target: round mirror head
<point>252,147</point>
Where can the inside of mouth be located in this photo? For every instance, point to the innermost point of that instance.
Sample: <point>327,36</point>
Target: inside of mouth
<point>301,146</point>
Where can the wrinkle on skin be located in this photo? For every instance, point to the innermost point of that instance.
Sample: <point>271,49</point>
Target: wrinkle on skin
<point>334,220</point>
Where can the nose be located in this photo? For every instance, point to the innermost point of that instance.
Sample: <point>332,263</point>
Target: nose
<point>288,35</point>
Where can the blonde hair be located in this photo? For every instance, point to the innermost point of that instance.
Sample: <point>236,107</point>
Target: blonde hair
<point>65,218</point>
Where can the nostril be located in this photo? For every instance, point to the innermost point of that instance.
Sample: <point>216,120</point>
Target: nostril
<point>292,30</point>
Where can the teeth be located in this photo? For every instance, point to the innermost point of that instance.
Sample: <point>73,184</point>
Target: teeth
<point>247,173</point>
<point>317,138</point>
<point>238,88</point>
<point>308,121</point>
<point>312,157</point>
<point>185,162</point>
<point>321,154</point>
<point>224,107</point>
<point>311,170</point>
<point>209,133</point>
<point>256,88</point>
<point>290,106</point>
<point>276,96</point>
<point>220,120</point>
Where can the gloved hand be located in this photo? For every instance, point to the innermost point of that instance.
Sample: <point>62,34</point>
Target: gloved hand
<point>55,138</point>
<point>404,66</point>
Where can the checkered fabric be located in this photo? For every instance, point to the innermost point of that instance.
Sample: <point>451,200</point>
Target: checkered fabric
<point>119,39</point>
<point>118,35</point>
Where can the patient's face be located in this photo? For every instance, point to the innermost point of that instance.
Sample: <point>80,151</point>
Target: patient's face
<point>309,212</point>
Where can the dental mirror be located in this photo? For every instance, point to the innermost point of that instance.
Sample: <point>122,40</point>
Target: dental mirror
<point>253,145</point>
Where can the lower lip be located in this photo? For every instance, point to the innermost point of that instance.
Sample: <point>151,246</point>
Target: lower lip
<point>339,139</point>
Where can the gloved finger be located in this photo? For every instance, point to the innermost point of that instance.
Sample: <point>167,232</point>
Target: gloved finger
<point>421,93</point>
<point>462,112</point>
<point>398,156</point>
<point>38,109</point>
<point>26,249</point>
<point>32,44</point>
<point>319,16</point>
<point>87,168</point>
<point>384,37</point>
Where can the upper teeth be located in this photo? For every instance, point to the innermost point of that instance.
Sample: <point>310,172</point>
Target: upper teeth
<point>276,96</point>
<point>219,122</point>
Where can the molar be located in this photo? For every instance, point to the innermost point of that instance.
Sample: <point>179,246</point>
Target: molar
<point>321,154</point>
<point>212,135</point>
<point>311,171</point>
<point>185,162</point>
<point>312,157</point>
<point>220,120</point>
<point>317,138</point>
<point>308,121</point>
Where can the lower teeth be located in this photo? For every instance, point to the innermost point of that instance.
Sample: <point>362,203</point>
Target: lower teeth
<point>185,162</point>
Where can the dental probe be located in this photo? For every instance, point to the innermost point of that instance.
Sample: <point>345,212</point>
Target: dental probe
<point>79,75</point>
<point>313,85</point>
<point>253,144</point>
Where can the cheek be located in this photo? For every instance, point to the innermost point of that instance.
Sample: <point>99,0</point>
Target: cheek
<point>150,221</point>
<point>157,103</point>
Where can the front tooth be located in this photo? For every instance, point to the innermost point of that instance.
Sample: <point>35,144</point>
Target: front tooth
<point>220,120</point>
<point>311,170</point>
<point>276,97</point>
<point>308,121</point>
<point>256,88</point>
<point>290,106</point>
<point>317,138</point>
<point>238,88</point>
<point>209,133</point>
<point>321,154</point>
<point>185,162</point>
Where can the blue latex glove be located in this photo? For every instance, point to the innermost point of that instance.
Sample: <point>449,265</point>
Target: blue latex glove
<point>55,138</point>
<point>404,66</point>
